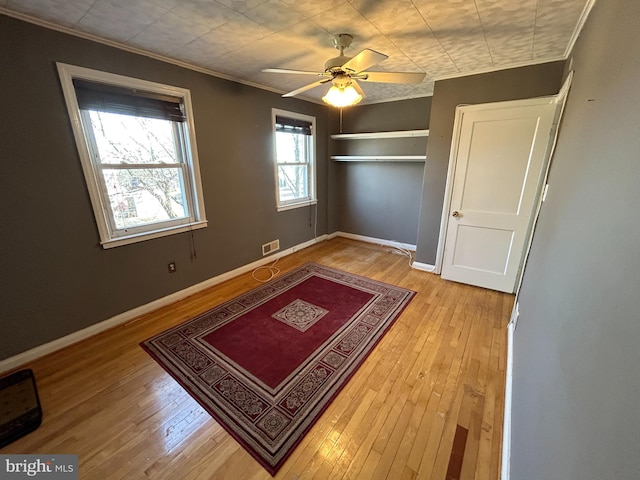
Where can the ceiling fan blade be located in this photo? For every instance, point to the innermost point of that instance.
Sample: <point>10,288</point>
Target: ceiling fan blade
<point>391,77</point>
<point>306,87</point>
<point>297,72</point>
<point>365,59</point>
<point>357,88</point>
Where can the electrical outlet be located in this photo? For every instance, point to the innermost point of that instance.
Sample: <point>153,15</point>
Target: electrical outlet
<point>270,247</point>
<point>172,267</point>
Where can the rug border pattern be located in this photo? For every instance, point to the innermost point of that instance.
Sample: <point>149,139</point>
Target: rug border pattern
<point>268,422</point>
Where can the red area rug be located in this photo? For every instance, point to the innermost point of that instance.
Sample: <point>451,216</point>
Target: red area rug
<point>267,363</point>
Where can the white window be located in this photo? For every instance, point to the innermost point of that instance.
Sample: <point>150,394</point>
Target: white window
<point>136,142</point>
<point>294,138</point>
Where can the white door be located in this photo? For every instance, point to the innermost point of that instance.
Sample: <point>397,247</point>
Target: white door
<point>500,160</point>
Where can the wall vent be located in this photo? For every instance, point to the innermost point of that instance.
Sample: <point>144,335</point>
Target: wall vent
<point>270,247</point>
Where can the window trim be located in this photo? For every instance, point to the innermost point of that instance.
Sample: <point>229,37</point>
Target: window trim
<point>312,198</point>
<point>99,203</point>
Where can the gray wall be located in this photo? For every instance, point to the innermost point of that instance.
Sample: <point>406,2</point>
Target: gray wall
<point>55,277</point>
<point>576,376</point>
<point>518,83</point>
<point>380,200</point>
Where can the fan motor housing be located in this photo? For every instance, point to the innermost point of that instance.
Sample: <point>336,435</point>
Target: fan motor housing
<point>335,63</point>
<point>341,80</point>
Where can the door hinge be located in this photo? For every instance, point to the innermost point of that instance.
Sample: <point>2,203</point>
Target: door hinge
<point>544,192</point>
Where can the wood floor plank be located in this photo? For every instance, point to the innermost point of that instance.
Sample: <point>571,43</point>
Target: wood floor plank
<point>440,367</point>
<point>472,447</point>
<point>355,454</point>
<point>393,444</point>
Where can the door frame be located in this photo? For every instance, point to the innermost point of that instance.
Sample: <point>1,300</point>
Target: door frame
<point>461,110</point>
<point>505,465</point>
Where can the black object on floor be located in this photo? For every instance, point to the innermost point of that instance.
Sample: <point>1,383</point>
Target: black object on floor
<point>20,411</point>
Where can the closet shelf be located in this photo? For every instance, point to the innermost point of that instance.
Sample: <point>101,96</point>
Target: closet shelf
<point>372,135</point>
<point>379,158</point>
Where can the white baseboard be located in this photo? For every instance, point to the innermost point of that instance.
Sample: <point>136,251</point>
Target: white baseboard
<point>508,392</point>
<point>378,241</point>
<point>425,267</point>
<point>50,347</point>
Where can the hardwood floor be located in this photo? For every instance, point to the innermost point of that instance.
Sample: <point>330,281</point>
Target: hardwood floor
<point>426,404</point>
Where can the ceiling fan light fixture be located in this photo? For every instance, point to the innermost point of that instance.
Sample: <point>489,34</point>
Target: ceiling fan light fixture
<point>342,96</point>
<point>343,72</point>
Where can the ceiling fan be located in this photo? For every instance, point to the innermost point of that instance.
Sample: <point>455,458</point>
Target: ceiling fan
<point>343,72</point>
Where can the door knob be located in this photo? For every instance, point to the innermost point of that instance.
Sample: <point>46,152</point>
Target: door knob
<point>455,213</point>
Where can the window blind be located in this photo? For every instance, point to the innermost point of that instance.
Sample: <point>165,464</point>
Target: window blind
<point>292,125</point>
<point>127,101</point>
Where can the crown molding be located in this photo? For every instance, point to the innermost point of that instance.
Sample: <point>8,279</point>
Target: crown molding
<point>481,71</point>
<point>139,51</point>
<point>127,48</point>
<point>579,26</point>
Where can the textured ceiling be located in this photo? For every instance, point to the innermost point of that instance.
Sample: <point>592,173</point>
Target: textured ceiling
<point>238,38</point>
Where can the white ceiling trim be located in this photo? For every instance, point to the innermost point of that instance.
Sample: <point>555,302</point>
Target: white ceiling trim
<point>579,26</point>
<point>120,46</point>
<point>500,68</point>
<point>447,39</point>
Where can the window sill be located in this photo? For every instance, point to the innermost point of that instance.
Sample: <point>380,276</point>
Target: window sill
<point>140,237</point>
<point>291,206</point>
